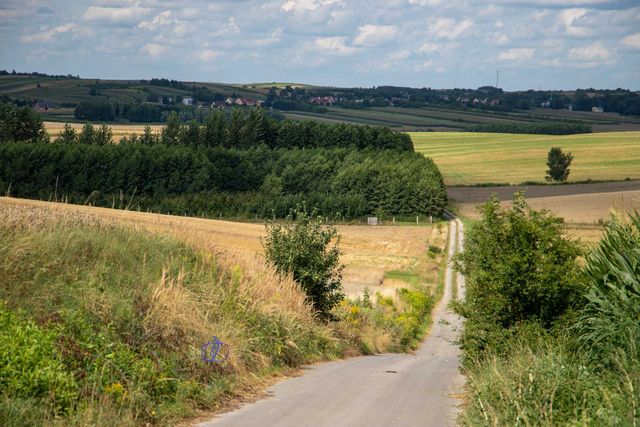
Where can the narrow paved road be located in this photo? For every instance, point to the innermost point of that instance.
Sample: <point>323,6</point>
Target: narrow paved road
<point>387,390</point>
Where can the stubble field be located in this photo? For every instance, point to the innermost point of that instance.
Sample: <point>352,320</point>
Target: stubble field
<point>371,254</point>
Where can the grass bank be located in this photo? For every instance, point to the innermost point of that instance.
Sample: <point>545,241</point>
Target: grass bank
<point>103,324</point>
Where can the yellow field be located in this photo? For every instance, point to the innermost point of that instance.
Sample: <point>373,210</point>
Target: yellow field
<point>474,158</point>
<point>119,130</point>
<point>584,213</point>
<point>369,252</point>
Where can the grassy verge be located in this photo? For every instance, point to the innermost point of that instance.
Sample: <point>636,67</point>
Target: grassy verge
<point>102,324</point>
<point>578,368</point>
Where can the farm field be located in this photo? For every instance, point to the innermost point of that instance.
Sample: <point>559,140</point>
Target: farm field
<point>370,253</point>
<point>119,130</point>
<point>480,158</point>
<point>584,207</point>
<point>449,120</point>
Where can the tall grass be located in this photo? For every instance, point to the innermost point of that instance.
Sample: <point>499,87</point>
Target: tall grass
<point>102,324</point>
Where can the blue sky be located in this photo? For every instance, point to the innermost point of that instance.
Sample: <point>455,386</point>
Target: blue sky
<point>535,44</point>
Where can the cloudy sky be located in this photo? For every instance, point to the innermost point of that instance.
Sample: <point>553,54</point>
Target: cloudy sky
<point>438,43</point>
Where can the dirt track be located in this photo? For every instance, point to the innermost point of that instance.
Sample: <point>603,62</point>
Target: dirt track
<point>481,194</point>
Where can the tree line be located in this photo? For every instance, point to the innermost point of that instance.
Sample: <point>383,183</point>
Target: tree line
<point>341,183</point>
<point>534,128</point>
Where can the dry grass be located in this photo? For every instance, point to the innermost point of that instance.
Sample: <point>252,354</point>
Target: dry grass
<point>584,213</point>
<point>119,130</point>
<point>369,252</point>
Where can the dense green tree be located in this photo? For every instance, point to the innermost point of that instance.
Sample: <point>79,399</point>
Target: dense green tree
<point>310,253</point>
<point>67,135</point>
<point>520,267</point>
<point>173,129</point>
<point>558,164</point>
<point>87,134</point>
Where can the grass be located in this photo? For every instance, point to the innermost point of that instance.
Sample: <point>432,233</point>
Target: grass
<point>477,158</point>
<point>119,313</point>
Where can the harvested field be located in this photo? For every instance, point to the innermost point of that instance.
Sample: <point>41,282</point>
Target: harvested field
<point>585,207</point>
<point>369,252</point>
<point>119,130</point>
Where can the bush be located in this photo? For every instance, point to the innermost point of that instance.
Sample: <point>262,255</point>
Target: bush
<point>520,267</point>
<point>30,366</point>
<point>310,253</point>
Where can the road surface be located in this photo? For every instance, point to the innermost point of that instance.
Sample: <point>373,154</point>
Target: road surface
<point>388,390</point>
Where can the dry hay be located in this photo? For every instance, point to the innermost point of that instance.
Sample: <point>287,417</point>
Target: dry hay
<point>368,251</point>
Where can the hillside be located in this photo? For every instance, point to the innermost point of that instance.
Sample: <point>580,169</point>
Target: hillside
<point>105,311</point>
<point>403,109</point>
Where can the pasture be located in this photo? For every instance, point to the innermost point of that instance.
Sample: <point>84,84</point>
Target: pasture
<point>369,252</point>
<point>481,158</point>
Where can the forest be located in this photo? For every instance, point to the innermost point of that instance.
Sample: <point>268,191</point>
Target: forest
<point>243,165</point>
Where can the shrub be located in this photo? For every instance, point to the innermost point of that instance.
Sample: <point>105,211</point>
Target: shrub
<point>30,366</point>
<point>520,266</point>
<point>310,253</point>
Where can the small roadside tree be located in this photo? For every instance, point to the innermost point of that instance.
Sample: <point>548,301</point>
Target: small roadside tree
<point>558,164</point>
<point>311,254</point>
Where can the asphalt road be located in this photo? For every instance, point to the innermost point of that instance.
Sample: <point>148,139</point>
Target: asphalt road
<point>417,389</point>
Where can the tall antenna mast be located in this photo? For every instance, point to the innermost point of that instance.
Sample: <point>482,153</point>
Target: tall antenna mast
<point>497,79</point>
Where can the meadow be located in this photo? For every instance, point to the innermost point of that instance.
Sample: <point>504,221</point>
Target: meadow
<point>482,158</point>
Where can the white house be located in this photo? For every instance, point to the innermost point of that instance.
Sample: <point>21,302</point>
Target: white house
<point>187,101</point>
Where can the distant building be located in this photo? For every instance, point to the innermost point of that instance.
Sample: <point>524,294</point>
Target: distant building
<point>322,100</point>
<point>187,101</point>
<point>218,104</point>
<point>42,105</point>
<point>244,102</point>
<point>597,110</point>
<point>546,104</point>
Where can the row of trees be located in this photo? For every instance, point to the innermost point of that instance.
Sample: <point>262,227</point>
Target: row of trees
<point>534,128</point>
<point>246,129</point>
<point>340,182</point>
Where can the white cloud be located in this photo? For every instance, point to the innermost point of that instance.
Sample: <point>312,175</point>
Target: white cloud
<point>154,50</point>
<point>302,5</point>
<point>448,28</point>
<point>49,34</point>
<point>159,20</point>
<point>375,35</point>
<point>429,48</point>
<point>336,45</point>
<point>593,52</point>
<point>209,55</point>
<point>517,54</point>
<point>570,20</point>
<point>115,15</point>
<point>632,41</point>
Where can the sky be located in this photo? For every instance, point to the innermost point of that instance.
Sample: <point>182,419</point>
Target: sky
<point>535,44</point>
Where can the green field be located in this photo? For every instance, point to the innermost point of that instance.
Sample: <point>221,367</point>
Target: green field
<point>478,158</point>
<point>450,120</point>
